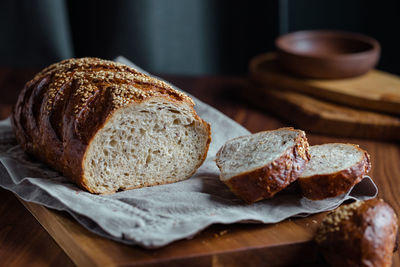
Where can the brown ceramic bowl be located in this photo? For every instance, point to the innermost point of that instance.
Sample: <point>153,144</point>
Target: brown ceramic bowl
<point>327,54</point>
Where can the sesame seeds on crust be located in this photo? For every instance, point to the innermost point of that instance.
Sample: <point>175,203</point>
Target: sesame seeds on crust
<point>127,85</point>
<point>332,221</point>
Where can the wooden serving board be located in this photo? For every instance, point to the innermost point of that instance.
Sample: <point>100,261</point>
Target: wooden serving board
<point>286,243</point>
<point>324,117</point>
<point>375,90</point>
<point>269,91</point>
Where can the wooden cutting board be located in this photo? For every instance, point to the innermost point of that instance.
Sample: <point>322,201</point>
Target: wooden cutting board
<point>269,91</point>
<point>283,244</point>
<point>375,90</point>
<point>323,117</point>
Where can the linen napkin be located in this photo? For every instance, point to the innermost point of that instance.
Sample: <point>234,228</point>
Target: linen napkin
<point>155,216</point>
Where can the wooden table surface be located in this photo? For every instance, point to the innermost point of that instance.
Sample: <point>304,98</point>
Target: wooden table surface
<point>23,241</point>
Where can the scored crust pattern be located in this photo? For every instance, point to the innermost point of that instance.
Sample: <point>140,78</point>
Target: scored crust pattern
<point>60,110</point>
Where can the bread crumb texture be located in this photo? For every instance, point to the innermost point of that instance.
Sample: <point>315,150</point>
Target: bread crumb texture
<point>145,144</point>
<point>331,158</point>
<point>248,153</point>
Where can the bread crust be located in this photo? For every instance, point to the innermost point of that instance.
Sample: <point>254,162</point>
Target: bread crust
<point>360,234</point>
<point>317,187</point>
<point>60,110</point>
<point>268,180</point>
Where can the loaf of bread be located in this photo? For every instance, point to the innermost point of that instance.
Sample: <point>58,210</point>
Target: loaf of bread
<point>359,234</point>
<point>109,127</point>
<point>333,169</point>
<point>260,165</point>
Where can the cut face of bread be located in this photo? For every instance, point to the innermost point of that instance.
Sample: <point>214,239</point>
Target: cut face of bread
<point>331,158</point>
<point>150,143</point>
<point>333,170</point>
<point>251,152</point>
<point>258,166</point>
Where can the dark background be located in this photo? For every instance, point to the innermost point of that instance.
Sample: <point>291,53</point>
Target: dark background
<point>182,36</point>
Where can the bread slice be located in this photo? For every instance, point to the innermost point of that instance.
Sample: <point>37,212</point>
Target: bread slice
<point>333,169</point>
<point>260,165</point>
<point>109,127</point>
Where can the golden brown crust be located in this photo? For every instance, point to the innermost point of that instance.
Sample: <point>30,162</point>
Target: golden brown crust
<point>59,111</point>
<point>360,234</point>
<point>268,180</point>
<point>319,187</point>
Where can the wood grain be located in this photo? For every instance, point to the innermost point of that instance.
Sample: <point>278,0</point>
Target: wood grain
<point>319,116</point>
<point>218,244</point>
<point>375,90</point>
<point>23,242</point>
<point>282,244</point>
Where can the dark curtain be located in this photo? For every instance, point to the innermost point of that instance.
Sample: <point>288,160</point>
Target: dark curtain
<point>34,32</point>
<point>168,36</point>
<point>180,36</point>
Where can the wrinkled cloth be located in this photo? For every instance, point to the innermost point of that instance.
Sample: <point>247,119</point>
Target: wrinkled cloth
<point>155,216</point>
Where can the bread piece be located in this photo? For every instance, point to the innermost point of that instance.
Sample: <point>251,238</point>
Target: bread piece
<point>333,169</point>
<point>109,127</point>
<point>260,165</point>
<point>359,234</point>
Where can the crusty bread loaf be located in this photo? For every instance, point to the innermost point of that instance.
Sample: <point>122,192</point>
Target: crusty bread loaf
<point>359,234</point>
<point>109,127</point>
<point>333,169</point>
<point>258,166</point>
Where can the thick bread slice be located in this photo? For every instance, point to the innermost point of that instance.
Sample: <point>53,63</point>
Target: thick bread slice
<point>109,127</point>
<point>260,165</point>
<point>333,169</point>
